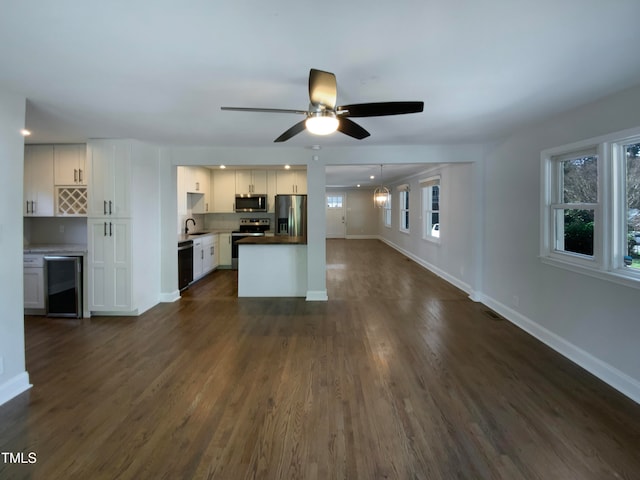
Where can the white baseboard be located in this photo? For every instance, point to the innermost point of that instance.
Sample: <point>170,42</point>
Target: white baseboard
<point>14,387</point>
<point>317,296</point>
<point>170,297</point>
<point>607,373</point>
<point>617,379</point>
<point>465,287</point>
<point>362,237</point>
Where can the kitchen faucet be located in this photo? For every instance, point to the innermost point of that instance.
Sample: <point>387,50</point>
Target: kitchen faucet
<point>186,228</point>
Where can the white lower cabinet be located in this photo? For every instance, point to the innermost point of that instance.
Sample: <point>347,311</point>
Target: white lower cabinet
<point>33,282</point>
<point>208,252</point>
<point>198,258</point>
<point>203,256</point>
<point>109,263</point>
<point>224,249</point>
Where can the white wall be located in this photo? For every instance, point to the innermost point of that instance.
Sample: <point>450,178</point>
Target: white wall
<point>453,258</point>
<point>146,225</point>
<point>13,376</point>
<point>592,321</point>
<point>362,215</point>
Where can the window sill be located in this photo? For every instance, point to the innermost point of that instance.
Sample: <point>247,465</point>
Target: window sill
<point>434,240</point>
<point>406,232</point>
<point>631,281</point>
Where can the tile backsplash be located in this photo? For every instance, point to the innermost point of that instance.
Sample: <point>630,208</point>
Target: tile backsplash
<point>55,230</point>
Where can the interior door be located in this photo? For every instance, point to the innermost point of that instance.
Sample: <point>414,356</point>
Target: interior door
<point>336,215</point>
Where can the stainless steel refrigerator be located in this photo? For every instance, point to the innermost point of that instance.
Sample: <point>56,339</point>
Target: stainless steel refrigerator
<point>291,215</point>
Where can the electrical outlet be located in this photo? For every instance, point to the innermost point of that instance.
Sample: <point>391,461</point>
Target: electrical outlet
<point>61,228</point>
<point>515,300</point>
<point>1,365</point>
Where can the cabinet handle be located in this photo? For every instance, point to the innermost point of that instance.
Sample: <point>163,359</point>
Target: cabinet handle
<point>80,175</point>
<point>75,175</point>
<point>110,205</point>
<point>110,229</point>
<point>201,254</point>
<point>197,186</point>
<point>105,207</point>
<point>28,207</point>
<point>105,229</point>
<point>33,206</point>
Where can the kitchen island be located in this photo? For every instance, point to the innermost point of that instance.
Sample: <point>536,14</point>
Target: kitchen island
<point>272,266</point>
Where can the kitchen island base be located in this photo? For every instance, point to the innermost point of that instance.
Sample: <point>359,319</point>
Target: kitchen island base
<point>272,270</point>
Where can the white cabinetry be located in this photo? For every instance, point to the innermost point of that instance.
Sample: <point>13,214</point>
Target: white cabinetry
<point>38,181</point>
<point>33,282</point>
<point>224,249</point>
<point>194,190</point>
<point>251,181</point>
<point>198,259</point>
<point>208,254</point>
<point>69,164</point>
<point>123,226</point>
<point>109,178</point>
<point>203,256</point>
<point>224,192</point>
<point>109,264</point>
<point>291,181</point>
<point>215,251</point>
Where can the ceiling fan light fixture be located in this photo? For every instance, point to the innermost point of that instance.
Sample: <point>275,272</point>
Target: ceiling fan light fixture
<point>323,122</point>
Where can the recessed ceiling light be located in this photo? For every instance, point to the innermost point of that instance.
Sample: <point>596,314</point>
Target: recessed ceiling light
<point>223,166</point>
<point>287,167</point>
<point>372,177</point>
<point>25,132</point>
<point>358,185</point>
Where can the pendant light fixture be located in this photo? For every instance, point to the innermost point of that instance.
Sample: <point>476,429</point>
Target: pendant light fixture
<point>381,194</point>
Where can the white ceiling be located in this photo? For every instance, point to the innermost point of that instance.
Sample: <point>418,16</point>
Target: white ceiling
<point>161,70</point>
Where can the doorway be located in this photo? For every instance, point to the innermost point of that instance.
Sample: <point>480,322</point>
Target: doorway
<point>336,215</point>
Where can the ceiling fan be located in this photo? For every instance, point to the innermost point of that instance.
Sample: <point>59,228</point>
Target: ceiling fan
<point>324,117</point>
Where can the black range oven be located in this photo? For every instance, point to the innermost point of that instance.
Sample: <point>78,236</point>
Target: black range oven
<point>249,227</point>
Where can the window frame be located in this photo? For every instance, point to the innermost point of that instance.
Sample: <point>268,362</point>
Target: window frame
<point>610,223</point>
<point>426,187</point>
<point>405,209</point>
<point>387,211</point>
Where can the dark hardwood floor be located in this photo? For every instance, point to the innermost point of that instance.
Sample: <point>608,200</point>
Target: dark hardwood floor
<point>395,377</point>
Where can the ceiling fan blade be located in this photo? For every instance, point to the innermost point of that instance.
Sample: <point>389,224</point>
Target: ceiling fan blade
<point>381,109</point>
<point>296,129</point>
<point>264,110</point>
<point>351,128</point>
<point>322,88</point>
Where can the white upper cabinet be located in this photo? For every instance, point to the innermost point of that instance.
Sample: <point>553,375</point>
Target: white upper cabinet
<point>291,182</point>
<point>38,181</point>
<point>251,181</point>
<point>69,164</point>
<point>223,191</point>
<point>196,181</point>
<point>109,178</point>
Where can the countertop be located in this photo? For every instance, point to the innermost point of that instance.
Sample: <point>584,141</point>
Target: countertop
<point>275,240</point>
<point>182,237</point>
<point>56,248</point>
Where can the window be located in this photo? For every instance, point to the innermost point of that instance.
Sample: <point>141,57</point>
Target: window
<point>631,211</point>
<point>404,208</point>
<point>431,208</point>
<point>591,207</point>
<point>387,212</point>
<point>334,201</point>
<point>575,198</point>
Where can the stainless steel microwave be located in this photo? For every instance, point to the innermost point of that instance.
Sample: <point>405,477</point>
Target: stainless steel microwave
<point>251,202</point>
